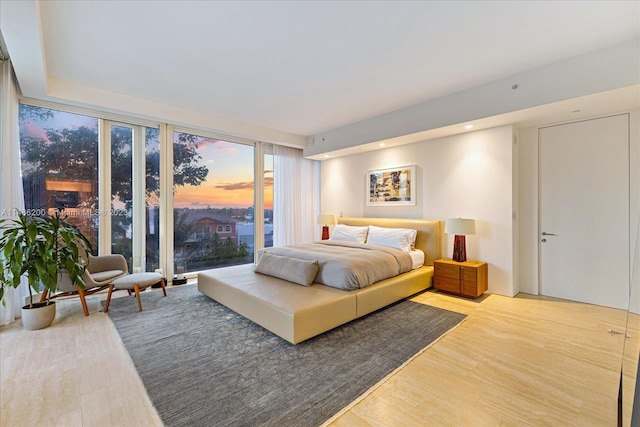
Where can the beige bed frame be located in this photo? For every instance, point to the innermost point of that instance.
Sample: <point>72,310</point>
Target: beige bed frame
<point>297,313</point>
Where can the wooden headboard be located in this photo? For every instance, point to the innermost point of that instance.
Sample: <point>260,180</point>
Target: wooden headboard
<point>428,239</point>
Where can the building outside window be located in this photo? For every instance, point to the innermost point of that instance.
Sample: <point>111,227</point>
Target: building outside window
<point>215,189</point>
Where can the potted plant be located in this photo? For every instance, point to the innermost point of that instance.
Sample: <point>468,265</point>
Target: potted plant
<point>42,248</point>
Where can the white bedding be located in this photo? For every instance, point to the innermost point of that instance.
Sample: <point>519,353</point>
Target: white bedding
<point>417,257</point>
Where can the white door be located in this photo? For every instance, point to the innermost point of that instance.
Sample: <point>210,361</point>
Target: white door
<point>584,211</point>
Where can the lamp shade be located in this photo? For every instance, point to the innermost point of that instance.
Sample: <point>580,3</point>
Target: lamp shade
<point>325,219</point>
<point>460,226</point>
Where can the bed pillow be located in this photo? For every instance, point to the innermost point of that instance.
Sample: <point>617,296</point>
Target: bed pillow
<point>399,238</point>
<point>299,271</point>
<point>349,233</point>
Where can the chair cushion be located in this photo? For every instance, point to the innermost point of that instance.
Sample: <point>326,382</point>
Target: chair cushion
<point>141,279</point>
<point>105,276</point>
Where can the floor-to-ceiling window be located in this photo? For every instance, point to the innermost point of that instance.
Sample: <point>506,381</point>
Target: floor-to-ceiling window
<point>135,193</point>
<point>212,203</point>
<point>62,170</point>
<point>121,141</point>
<point>152,199</point>
<point>268,196</point>
<point>59,153</point>
<point>110,177</point>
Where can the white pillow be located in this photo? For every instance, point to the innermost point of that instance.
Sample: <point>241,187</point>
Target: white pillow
<point>349,233</point>
<point>399,238</point>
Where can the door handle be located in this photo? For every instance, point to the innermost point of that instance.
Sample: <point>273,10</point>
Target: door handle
<point>544,233</point>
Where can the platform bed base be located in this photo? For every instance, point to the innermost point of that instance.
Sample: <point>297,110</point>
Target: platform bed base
<point>297,313</point>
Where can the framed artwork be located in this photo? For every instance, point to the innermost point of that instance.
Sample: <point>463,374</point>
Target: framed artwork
<point>391,187</point>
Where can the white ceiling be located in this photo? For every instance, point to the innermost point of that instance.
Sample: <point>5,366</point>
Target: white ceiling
<point>304,67</point>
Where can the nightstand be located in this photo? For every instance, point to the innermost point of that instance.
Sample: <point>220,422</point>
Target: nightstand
<point>468,279</point>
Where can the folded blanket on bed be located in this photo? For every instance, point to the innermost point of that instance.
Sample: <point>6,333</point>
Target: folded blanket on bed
<point>349,265</point>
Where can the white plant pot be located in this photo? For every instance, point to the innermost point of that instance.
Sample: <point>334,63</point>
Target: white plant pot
<point>38,317</point>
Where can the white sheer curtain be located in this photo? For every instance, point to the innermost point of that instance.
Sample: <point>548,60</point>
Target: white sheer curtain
<point>11,193</point>
<point>296,197</point>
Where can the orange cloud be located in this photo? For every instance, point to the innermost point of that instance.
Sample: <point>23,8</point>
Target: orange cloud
<point>231,195</point>
<point>235,186</point>
<point>36,131</point>
<point>214,195</point>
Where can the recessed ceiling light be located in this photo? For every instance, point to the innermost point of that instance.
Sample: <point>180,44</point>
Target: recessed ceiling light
<point>468,127</point>
<point>382,144</point>
<point>326,156</point>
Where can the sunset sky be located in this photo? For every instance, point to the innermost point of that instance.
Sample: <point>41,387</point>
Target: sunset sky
<point>230,179</point>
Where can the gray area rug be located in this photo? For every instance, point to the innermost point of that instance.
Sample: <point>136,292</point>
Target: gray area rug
<point>204,365</point>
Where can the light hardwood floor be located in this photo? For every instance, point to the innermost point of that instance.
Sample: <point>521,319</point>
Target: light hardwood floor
<point>523,361</point>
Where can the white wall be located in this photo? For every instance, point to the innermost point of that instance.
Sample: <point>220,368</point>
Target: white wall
<point>528,200</point>
<point>478,175</point>
<point>528,209</point>
<point>469,175</point>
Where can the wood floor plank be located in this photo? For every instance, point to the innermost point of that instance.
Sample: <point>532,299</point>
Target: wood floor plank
<point>515,362</point>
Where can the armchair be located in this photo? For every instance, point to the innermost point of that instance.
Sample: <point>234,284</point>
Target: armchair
<point>101,271</point>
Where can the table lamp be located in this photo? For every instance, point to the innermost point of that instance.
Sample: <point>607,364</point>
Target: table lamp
<point>325,221</point>
<point>460,227</point>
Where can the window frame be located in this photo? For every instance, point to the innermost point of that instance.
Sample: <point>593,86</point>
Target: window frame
<point>166,131</point>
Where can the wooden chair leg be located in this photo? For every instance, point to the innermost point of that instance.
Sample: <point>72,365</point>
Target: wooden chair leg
<point>164,289</point>
<point>83,301</point>
<point>106,304</point>
<point>136,288</point>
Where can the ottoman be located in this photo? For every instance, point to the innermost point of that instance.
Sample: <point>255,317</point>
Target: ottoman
<point>135,282</point>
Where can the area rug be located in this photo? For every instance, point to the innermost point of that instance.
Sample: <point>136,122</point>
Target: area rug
<point>204,365</point>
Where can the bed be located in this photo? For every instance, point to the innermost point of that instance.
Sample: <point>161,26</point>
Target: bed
<point>299,311</point>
